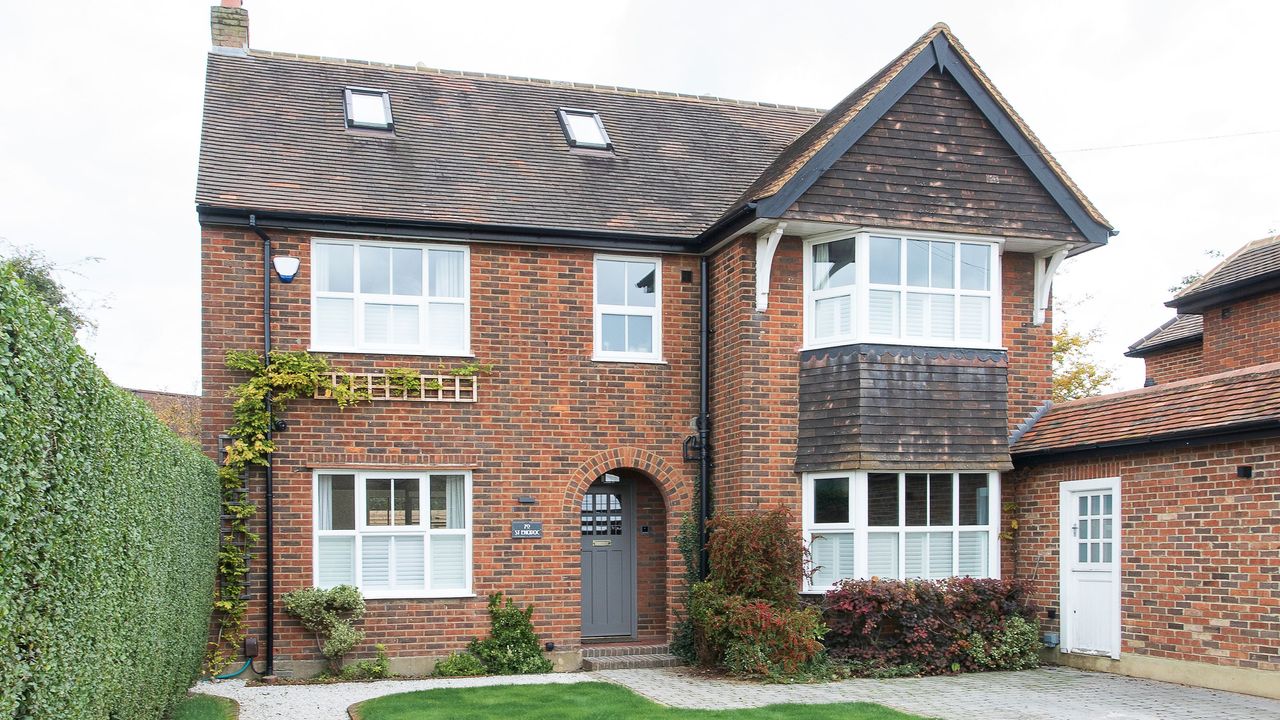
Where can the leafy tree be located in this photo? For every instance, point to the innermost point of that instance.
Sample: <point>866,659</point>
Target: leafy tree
<point>1076,373</point>
<point>36,270</point>
<point>1187,280</point>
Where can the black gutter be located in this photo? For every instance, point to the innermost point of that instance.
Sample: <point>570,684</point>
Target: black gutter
<point>270,491</point>
<point>352,225</point>
<point>726,226</point>
<point>1197,302</point>
<point>1186,438</point>
<point>704,420</point>
<point>1142,352</point>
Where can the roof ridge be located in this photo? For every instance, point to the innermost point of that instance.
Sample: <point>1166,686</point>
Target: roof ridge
<point>1163,326</point>
<point>1265,369</point>
<point>522,80</point>
<point>1247,247</point>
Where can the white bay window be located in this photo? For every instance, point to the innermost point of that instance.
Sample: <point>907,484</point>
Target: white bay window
<point>878,287</point>
<point>394,535</point>
<point>390,297</point>
<point>927,525</point>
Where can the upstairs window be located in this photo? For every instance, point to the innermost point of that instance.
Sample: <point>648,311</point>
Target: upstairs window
<point>369,109</point>
<point>584,128</point>
<point>390,297</point>
<point>628,309</point>
<point>890,288</point>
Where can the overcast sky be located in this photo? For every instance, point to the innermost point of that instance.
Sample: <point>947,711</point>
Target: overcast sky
<point>100,120</point>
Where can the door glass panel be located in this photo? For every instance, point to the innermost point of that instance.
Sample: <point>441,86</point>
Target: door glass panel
<point>1084,552</point>
<point>1084,505</point>
<point>1106,504</point>
<point>1095,505</point>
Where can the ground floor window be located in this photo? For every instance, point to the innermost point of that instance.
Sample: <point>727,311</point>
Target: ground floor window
<point>901,525</point>
<point>394,535</point>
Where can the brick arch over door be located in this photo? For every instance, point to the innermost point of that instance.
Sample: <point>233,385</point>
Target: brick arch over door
<point>626,458</point>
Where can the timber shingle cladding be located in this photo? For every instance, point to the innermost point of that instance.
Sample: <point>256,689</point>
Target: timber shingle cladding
<point>872,407</point>
<point>934,162</point>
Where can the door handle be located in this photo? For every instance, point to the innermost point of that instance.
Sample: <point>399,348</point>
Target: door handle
<point>1073,530</point>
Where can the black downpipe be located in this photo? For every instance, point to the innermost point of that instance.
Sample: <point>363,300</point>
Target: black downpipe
<point>270,491</point>
<point>704,418</point>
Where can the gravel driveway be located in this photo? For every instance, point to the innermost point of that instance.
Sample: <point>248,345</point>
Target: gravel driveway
<point>1051,693</point>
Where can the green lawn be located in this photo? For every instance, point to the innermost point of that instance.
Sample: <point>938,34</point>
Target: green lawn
<point>586,701</point>
<point>205,707</point>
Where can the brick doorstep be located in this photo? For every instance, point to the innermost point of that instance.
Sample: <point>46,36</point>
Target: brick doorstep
<point>631,662</point>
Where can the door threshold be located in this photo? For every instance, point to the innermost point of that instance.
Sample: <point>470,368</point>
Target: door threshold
<point>609,639</point>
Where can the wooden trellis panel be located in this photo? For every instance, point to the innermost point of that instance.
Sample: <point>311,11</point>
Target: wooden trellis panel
<point>430,388</point>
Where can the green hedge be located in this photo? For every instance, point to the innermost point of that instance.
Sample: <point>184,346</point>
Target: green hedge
<point>108,533</point>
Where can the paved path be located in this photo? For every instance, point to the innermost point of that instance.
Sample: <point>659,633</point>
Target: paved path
<point>1052,693</point>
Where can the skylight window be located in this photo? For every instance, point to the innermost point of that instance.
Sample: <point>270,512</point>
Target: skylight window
<point>583,128</point>
<point>369,109</point>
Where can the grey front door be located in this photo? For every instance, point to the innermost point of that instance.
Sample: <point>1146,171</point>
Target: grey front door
<point>608,563</point>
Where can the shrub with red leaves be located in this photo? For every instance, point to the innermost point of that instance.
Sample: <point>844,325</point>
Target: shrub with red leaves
<point>758,554</point>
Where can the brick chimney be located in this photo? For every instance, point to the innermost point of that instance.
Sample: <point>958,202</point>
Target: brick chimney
<point>229,24</point>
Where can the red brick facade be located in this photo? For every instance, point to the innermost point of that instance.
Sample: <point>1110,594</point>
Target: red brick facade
<point>1176,363</point>
<point>1199,568</point>
<point>548,422</point>
<point>1243,333</point>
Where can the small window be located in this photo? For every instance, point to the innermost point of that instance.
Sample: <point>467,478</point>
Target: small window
<point>583,128</point>
<point>369,109</point>
<point>628,309</point>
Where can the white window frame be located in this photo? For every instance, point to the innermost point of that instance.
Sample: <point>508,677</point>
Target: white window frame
<point>362,530</point>
<point>360,299</point>
<point>598,311</point>
<point>389,123</point>
<point>858,527</point>
<point>563,115</point>
<point>860,291</point>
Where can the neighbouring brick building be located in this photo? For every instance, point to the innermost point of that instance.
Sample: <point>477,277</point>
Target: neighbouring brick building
<point>1150,519</point>
<point>846,311</point>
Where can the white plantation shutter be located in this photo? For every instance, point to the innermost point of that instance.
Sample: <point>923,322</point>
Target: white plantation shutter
<point>882,309</point>
<point>973,553</point>
<point>913,561</point>
<point>975,319</point>
<point>832,556</point>
<point>832,317</point>
<point>914,318</point>
<point>375,562</point>
<point>942,317</point>
<point>448,326</point>
<point>448,561</point>
<point>410,556</point>
<point>336,564</point>
<point>334,320</point>
<point>882,555</point>
<point>940,555</point>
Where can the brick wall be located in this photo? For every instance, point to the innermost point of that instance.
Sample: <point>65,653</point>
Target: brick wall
<point>1200,570</point>
<point>1175,363</point>
<point>1030,346</point>
<point>548,422</point>
<point>1243,333</point>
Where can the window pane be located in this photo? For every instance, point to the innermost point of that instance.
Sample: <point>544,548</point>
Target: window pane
<point>918,263</point>
<point>584,129</point>
<point>368,109</point>
<point>882,309</point>
<point>940,499</point>
<point>448,562</point>
<point>447,326</point>
<point>639,334</point>
<point>974,507</point>
<point>448,509</point>
<point>375,270</point>
<point>917,499</point>
<point>408,503</point>
<point>882,555</point>
<point>410,559</point>
<point>448,276</point>
<point>377,502</point>
<point>975,267</point>
<point>975,318</point>
<point>613,333</point>
<point>390,324</point>
<point>973,553</point>
<point>832,557</point>
<point>831,500</point>
<point>882,499</point>
<point>375,562</point>
<point>334,320</point>
<point>336,504</point>
<point>336,561</point>
<point>942,265</point>
<point>611,282</point>
<point>886,261</point>
<point>942,317</point>
<point>833,317</point>
<point>641,284</point>
<point>334,266</point>
<point>940,556</point>
<point>406,271</point>
<point>833,264</point>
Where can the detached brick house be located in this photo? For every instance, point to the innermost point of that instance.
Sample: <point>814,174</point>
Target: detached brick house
<point>1150,519</point>
<point>846,311</point>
